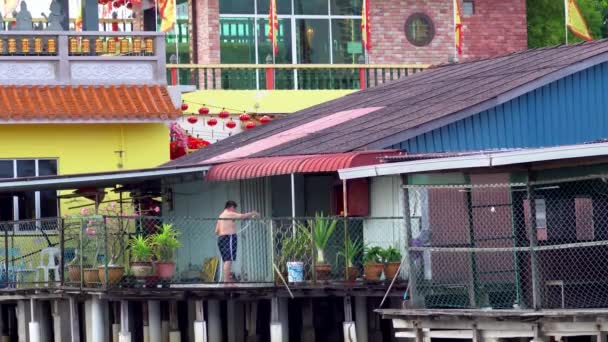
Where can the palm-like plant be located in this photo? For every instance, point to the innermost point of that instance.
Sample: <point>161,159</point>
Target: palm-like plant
<point>322,229</point>
<point>391,254</point>
<point>350,252</point>
<point>141,248</point>
<point>372,255</point>
<point>165,242</point>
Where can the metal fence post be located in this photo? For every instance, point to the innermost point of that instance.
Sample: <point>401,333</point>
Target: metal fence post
<point>536,296</point>
<point>314,255</point>
<point>6,256</point>
<point>105,257</point>
<point>61,251</point>
<point>412,272</point>
<point>81,248</point>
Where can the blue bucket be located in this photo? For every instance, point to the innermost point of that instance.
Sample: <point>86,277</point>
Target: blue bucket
<point>295,271</point>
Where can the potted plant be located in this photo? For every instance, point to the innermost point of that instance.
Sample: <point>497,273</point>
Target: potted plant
<point>115,228</point>
<point>350,252</point>
<point>392,260</point>
<point>164,243</point>
<point>322,229</point>
<point>141,253</point>
<point>293,253</point>
<point>372,263</point>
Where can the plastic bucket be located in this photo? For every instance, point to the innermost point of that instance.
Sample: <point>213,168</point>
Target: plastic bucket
<point>295,271</point>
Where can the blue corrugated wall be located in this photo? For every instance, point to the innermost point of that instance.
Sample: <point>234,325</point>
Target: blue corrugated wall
<point>568,111</point>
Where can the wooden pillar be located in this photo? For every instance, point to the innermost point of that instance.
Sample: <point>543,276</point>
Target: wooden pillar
<point>154,322</point>
<point>361,318</point>
<point>146,322</point>
<point>536,296</point>
<point>251,320</point>
<point>308,327</point>
<point>200,326</point>
<point>215,320</point>
<point>174,333</point>
<point>115,307</point>
<point>164,323</point>
<point>62,321</point>
<point>412,270</point>
<point>125,332</point>
<point>236,321</point>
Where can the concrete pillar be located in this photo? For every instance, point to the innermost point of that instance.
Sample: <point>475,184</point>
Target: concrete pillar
<point>200,325</point>
<point>62,320</point>
<point>164,331</point>
<point>154,323</point>
<point>125,332</point>
<point>215,321</point>
<point>90,15</point>
<point>146,323</point>
<point>174,333</point>
<point>98,328</point>
<point>279,321</point>
<point>34,325</point>
<point>74,317</point>
<point>87,322</point>
<point>22,312</point>
<point>308,329</point>
<point>361,318</point>
<point>236,321</point>
<point>251,321</point>
<point>348,327</point>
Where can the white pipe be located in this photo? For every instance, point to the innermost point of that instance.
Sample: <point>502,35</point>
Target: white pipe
<point>293,203</point>
<point>115,332</point>
<point>566,19</point>
<point>34,329</point>
<point>97,326</point>
<point>200,331</point>
<point>154,323</point>
<point>349,330</point>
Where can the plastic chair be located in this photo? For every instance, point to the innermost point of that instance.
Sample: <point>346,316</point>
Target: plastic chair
<point>52,255</point>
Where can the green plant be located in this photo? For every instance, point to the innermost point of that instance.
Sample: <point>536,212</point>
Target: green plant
<point>141,248</point>
<point>165,242</point>
<point>350,251</point>
<point>391,254</point>
<point>372,255</point>
<point>322,229</point>
<point>294,248</point>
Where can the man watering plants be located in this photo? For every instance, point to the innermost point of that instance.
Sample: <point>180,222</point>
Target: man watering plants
<point>225,229</point>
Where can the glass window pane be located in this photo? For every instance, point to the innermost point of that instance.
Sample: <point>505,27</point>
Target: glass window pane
<point>346,7</point>
<point>236,7</point>
<point>6,169</point>
<point>6,207</point>
<point>310,7</point>
<point>26,168</point>
<point>48,203</point>
<point>27,205</point>
<point>283,7</point>
<point>284,78</point>
<point>47,168</point>
<point>237,40</point>
<point>346,45</point>
<point>312,40</point>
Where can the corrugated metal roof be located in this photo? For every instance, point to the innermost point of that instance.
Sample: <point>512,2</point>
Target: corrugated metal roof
<point>284,165</point>
<point>418,103</point>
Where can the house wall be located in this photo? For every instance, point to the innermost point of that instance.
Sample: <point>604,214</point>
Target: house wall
<point>568,111</point>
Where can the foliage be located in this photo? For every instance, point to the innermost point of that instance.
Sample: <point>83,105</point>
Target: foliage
<point>165,242</point>
<point>372,255</point>
<point>391,254</point>
<point>546,21</point>
<point>141,248</point>
<point>295,248</point>
<point>322,229</point>
<point>351,250</point>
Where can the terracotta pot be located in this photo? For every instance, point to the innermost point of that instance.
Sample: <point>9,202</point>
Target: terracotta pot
<point>352,273</point>
<point>74,273</point>
<point>165,270</point>
<point>115,274</point>
<point>323,271</point>
<point>373,271</point>
<point>141,269</point>
<point>91,277</point>
<point>390,270</point>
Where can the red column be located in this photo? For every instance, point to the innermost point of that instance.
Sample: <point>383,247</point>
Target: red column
<point>173,76</point>
<point>362,81</point>
<point>270,78</point>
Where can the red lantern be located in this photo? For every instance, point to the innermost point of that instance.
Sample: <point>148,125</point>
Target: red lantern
<point>203,111</point>
<point>212,122</point>
<point>193,120</point>
<point>244,117</point>
<point>184,106</point>
<point>250,125</point>
<point>231,124</point>
<point>224,114</point>
<point>265,119</point>
<point>129,5</point>
<point>117,4</point>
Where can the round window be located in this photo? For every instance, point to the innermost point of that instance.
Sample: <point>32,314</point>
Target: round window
<point>419,29</point>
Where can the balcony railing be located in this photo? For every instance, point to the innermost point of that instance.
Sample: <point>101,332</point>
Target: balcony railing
<point>40,57</point>
<point>105,25</point>
<point>288,76</point>
<point>83,252</point>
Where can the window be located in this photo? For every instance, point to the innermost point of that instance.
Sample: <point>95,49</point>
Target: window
<point>468,8</point>
<point>31,204</point>
<point>419,29</point>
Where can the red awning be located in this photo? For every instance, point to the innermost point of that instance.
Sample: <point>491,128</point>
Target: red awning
<point>284,165</point>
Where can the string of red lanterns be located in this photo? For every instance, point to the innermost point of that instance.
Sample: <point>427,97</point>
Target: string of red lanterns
<point>224,114</point>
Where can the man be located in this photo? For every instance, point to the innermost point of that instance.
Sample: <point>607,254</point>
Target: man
<point>225,229</point>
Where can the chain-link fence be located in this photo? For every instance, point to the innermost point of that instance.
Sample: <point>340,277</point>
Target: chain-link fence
<point>172,251</point>
<point>532,245</point>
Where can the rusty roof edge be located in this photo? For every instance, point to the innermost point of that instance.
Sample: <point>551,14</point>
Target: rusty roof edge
<point>493,102</point>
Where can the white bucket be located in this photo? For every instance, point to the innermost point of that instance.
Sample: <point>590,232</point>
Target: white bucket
<point>295,271</point>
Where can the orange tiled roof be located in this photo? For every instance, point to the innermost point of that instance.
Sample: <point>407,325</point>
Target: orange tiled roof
<point>82,103</point>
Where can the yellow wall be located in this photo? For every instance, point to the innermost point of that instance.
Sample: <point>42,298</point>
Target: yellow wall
<point>82,148</point>
<point>268,101</point>
<point>86,148</point>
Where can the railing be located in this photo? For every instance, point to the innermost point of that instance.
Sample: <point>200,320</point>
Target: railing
<point>504,246</point>
<point>288,76</point>
<point>105,25</point>
<point>272,251</point>
<point>81,57</point>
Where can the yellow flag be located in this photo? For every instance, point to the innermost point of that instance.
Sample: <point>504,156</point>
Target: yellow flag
<point>458,27</point>
<point>576,22</point>
<point>166,9</point>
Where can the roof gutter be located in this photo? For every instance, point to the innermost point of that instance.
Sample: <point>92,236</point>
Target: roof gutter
<point>477,161</point>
